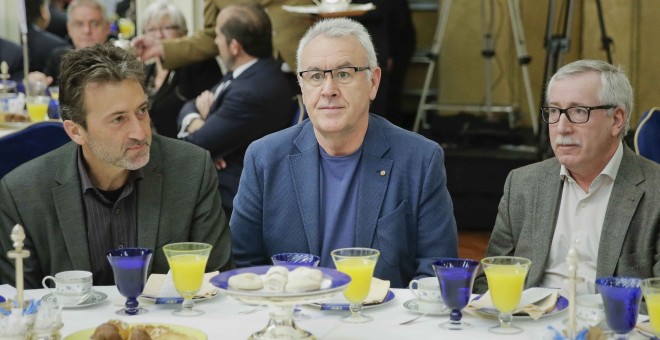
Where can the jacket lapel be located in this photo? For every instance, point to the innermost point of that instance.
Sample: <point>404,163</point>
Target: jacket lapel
<point>375,173</point>
<point>69,206</point>
<point>620,209</point>
<point>546,208</point>
<point>149,194</point>
<point>305,174</point>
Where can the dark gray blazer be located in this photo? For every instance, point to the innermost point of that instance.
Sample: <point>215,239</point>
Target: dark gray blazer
<point>177,200</point>
<point>630,240</point>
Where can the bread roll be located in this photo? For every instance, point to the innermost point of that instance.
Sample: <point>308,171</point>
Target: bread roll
<point>246,281</point>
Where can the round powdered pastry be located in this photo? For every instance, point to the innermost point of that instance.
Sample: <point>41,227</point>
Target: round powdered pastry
<point>246,281</point>
<point>302,285</point>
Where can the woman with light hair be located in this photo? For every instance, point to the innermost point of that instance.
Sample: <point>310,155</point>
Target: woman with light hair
<point>167,89</point>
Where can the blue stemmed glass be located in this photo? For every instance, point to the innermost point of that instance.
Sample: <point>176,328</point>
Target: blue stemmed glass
<point>456,277</point>
<point>130,268</point>
<point>621,298</point>
<point>295,259</point>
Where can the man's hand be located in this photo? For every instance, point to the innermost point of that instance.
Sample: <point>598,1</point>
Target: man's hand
<point>220,163</point>
<point>38,77</point>
<point>203,103</point>
<point>147,47</point>
<point>195,125</point>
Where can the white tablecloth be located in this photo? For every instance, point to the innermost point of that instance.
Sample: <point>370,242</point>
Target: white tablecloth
<point>222,321</point>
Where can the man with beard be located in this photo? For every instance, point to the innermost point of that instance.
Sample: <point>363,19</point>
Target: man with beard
<point>114,186</point>
<point>596,196</point>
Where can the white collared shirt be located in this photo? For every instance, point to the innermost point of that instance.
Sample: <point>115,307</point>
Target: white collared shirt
<point>579,224</point>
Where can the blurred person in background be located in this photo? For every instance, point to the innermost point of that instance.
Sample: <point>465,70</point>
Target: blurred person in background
<point>287,29</point>
<point>167,89</point>
<point>40,42</point>
<point>12,53</point>
<point>251,101</point>
<point>87,25</point>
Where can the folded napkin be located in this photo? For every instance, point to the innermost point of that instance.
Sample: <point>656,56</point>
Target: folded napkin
<point>161,287</point>
<point>377,292</point>
<point>534,301</point>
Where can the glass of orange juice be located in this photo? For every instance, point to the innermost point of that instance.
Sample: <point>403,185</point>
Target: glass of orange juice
<point>506,280</point>
<point>187,262</point>
<point>651,290</point>
<point>359,264</point>
<point>37,107</point>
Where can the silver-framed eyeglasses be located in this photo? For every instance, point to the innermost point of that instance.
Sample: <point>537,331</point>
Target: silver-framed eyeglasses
<point>342,75</point>
<point>575,114</point>
<point>164,29</point>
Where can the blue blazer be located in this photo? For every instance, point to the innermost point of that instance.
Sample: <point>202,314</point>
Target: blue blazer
<point>404,209</point>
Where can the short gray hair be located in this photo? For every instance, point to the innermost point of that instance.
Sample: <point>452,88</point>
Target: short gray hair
<point>614,89</point>
<point>91,3</point>
<point>337,28</point>
<point>161,9</point>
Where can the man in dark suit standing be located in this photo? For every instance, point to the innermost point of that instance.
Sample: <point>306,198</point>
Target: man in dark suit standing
<point>251,101</point>
<point>114,186</point>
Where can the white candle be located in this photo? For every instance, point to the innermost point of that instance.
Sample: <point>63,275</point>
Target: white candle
<point>21,16</point>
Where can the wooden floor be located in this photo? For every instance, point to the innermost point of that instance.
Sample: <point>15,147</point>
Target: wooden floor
<point>472,245</point>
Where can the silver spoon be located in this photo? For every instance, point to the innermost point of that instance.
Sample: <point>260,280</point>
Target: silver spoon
<point>413,319</point>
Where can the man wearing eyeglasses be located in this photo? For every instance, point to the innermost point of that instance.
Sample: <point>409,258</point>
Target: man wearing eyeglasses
<point>345,177</point>
<point>596,196</point>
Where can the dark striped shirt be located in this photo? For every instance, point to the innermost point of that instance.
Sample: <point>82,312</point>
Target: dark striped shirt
<point>111,223</point>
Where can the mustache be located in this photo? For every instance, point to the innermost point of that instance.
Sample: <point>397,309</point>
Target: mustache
<point>567,140</point>
<point>135,142</point>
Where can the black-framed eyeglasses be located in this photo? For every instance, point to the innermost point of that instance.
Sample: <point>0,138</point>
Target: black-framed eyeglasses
<point>575,114</point>
<point>342,75</point>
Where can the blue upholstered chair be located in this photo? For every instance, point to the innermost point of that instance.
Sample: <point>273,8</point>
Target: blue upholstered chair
<point>24,145</point>
<point>647,136</point>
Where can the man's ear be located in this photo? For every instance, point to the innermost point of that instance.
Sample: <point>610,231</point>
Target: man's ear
<point>75,132</point>
<point>235,47</point>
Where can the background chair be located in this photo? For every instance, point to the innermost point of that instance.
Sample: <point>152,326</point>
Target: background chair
<point>24,145</point>
<point>647,136</point>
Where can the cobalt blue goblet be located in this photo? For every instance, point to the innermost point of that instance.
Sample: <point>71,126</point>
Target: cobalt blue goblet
<point>295,259</point>
<point>456,277</point>
<point>130,268</point>
<point>621,297</point>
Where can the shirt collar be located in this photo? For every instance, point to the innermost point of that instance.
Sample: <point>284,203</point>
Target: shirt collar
<point>237,72</point>
<point>611,169</point>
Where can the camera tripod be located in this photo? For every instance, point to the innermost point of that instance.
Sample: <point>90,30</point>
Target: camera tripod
<point>557,43</point>
<point>488,53</point>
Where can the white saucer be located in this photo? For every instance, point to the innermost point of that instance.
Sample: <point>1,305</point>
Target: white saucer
<point>415,306</point>
<point>96,298</point>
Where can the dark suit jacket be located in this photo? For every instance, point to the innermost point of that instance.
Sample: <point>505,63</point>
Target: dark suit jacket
<point>181,85</point>
<point>630,240</point>
<point>13,55</point>
<point>177,201</point>
<point>52,67</point>
<point>40,45</point>
<point>404,208</point>
<point>255,104</point>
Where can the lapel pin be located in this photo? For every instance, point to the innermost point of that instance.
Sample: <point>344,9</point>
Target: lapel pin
<point>382,172</point>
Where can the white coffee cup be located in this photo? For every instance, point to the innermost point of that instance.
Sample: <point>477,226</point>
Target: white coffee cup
<point>71,287</point>
<point>590,309</point>
<point>334,5</point>
<point>426,290</point>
